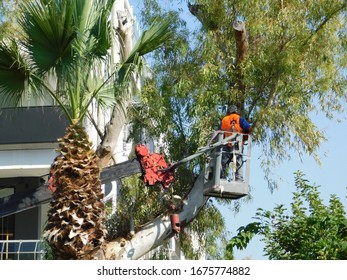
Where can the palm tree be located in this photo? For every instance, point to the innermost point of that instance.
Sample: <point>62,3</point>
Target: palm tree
<point>63,43</point>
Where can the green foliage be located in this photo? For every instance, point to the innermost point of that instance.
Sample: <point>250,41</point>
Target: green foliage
<point>310,231</point>
<point>161,253</point>
<point>137,202</point>
<point>245,234</point>
<point>8,13</point>
<point>208,231</point>
<point>14,76</point>
<point>294,66</point>
<point>141,204</point>
<point>69,40</point>
<point>48,251</point>
<point>59,39</point>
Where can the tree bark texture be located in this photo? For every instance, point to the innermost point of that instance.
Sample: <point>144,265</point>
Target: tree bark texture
<point>241,50</point>
<point>118,118</point>
<point>157,231</point>
<point>113,129</point>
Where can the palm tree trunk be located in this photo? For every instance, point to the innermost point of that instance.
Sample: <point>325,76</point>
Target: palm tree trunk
<point>75,227</point>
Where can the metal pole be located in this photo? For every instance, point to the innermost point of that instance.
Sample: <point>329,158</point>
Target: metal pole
<point>221,142</point>
<point>7,242</point>
<point>7,238</point>
<point>218,161</point>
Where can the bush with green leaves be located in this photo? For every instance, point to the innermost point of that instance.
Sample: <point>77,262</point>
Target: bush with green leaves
<point>309,230</point>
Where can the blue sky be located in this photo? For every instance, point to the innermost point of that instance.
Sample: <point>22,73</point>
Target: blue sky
<point>331,175</point>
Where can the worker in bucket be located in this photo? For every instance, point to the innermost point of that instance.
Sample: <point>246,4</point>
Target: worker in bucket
<point>233,123</point>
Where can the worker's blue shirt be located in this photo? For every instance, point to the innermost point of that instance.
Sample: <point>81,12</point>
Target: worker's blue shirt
<point>245,125</point>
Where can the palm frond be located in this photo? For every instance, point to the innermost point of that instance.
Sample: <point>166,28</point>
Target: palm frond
<point>49,30</point>
<point>105,98</point>
<point>102,29</point>
<point>92,21</point>
<point>151,39</point>
<point>13,74</point>
<point>57,31</point>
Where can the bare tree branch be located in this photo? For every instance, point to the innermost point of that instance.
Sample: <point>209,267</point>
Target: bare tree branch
<point>241,50</point>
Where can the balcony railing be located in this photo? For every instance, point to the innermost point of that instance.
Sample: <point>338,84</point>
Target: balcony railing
<point>21,250</point>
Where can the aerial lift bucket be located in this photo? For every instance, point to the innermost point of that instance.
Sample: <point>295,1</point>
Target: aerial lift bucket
<point>214,186</point>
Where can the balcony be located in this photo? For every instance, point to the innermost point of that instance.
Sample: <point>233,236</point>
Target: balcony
<point>31,125</point>
<point>28,139</point>
<point>21,250</point>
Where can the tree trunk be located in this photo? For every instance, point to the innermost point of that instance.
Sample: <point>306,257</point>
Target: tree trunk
<point>118,118</point>
<point>157,231</point>
<point>112,131</point>
<point>75,226</point>
<point>241,50</point>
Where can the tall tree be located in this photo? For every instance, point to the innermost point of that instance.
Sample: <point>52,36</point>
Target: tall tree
<point>64,42</point>
<point>309,230</point>
<point>280,62</point>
